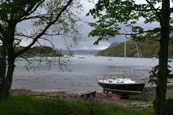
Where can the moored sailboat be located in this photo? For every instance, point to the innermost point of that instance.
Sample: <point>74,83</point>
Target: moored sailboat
<point>121,86</point>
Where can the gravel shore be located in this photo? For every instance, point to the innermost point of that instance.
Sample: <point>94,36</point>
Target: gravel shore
<point>134,101</point>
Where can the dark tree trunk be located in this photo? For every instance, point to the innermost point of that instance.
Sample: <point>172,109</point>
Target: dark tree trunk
<point>9,78</point>
<point>163,60</point>
<point>7,82</point>
<point>7,65</point>
<point>2,71</point>
<point>6,75</point>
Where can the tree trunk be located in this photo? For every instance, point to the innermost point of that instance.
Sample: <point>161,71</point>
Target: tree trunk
<point>7,65</point>
<point>7,79</point>
<point>2,71</point>
<point>160,99</point>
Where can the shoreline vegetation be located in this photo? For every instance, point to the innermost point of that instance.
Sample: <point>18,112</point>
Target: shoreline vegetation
<point>144,49</point>
<point>23,101</point>
<point>42,51</point>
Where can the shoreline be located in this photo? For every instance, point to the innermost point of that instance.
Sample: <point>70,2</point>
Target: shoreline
<point>135,101</point>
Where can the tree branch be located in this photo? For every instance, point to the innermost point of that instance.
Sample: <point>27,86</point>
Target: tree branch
<point>158,13</point>
<point>34,17</point>
<point>23,35</point>
<point>48,41</point>
<point>136,33</point>
<point>44,30</point>
<point>26,59</point>
<point>30,10</point>
<point>147,10</point>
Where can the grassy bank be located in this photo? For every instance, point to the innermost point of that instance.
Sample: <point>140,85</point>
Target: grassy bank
<point>169,95</point>
<point>169,102</point>
<point>28,105</point>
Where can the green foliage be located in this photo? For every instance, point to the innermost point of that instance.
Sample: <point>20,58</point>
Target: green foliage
<point>154,74</point>
<point>20,105</point>
<point>110,15</point>
<point>16,9</point>
<point>169,95</point>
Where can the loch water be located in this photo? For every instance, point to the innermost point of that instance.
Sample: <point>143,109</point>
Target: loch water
<point>82,74</point>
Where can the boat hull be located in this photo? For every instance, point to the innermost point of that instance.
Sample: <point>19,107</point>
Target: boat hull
<point>123,87</point>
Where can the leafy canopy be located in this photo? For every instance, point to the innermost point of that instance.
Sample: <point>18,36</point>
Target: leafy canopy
<point>112,14</point>
<point>16,9</point>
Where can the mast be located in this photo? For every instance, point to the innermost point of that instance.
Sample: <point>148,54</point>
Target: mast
<point>125,39</point>
<point>137,49</point>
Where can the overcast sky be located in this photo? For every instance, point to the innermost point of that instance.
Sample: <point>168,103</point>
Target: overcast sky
<point>86,42</point>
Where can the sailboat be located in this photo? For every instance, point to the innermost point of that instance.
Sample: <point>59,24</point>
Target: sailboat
<point>121,86</point>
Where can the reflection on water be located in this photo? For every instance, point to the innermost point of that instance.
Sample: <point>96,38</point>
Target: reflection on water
<point>84,74</point>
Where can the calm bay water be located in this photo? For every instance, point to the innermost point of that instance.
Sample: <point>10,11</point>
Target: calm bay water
<point>84,73</point>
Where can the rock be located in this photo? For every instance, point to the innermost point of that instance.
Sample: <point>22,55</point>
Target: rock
<point>88,95</point>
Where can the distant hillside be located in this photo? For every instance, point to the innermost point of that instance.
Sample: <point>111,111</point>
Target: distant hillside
<point>40,51</point>
<point>81,52</point>
<point>146,49</point>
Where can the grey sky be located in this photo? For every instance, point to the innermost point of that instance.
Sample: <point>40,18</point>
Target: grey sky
<point>85,42</point>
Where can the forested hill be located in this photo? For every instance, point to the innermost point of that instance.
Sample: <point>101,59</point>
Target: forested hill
<point>146,49</point>
<point>40,51</point>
